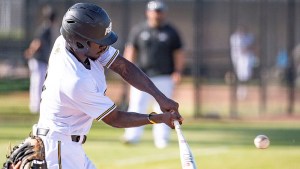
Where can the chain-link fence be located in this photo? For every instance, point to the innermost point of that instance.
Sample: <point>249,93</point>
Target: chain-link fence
<point>206,27</point>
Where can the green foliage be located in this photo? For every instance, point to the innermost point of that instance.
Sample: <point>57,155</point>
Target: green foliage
<point>9,85</point>
<point>16,35</point>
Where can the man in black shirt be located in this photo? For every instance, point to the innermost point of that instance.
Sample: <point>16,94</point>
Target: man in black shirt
<point>156,48</point>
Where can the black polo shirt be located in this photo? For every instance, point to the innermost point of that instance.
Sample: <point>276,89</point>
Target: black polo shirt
<point>155,48</point>
<point>44,34</point>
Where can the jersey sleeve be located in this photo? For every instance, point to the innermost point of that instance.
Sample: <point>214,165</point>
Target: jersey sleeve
<point>89,100</point>
<point>108,57</point>
<point>177,42</point>
<point>96,105</point>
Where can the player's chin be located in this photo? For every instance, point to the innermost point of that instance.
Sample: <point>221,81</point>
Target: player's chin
<point>93,58</point>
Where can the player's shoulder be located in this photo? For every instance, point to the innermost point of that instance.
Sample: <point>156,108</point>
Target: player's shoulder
<point>109,56</point>
<point>60,41</point>
<point>59,46</point>
<point>140,27</point>
<point>170,27</point>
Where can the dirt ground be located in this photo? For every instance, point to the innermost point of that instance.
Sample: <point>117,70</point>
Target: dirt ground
<point>215,101</point>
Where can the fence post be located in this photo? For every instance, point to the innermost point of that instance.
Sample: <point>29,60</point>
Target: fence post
<point>198,11</point>
<point>290,47</point>
<point>263,8</point>
<point>233,77</point>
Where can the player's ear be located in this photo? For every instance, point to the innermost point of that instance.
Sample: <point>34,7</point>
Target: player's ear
<point>88,43</point>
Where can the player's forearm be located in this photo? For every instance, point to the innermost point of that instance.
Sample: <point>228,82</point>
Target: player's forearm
<point>135,77</point>
<point>120,119</point>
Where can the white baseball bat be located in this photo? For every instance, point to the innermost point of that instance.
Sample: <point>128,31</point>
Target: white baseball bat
<point>186,156</point>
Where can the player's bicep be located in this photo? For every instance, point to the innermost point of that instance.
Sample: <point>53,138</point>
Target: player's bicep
<point>121,66</point>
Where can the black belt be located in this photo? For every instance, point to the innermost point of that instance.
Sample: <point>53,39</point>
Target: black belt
<point>75,138</point>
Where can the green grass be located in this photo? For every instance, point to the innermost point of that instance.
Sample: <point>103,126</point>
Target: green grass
<point>216,144</point>
<point>226,145</point>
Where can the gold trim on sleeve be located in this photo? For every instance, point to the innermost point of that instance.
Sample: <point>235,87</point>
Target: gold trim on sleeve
<point>112,59</point>
<point>106,112</point>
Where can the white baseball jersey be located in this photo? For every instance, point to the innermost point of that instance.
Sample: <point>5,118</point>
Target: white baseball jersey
<point>73,95</point>
<point>241,56</point>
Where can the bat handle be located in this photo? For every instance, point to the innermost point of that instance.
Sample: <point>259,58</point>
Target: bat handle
<point>176,124</point>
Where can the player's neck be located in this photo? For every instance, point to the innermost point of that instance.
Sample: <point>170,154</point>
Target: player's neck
<point>80,57</point>
<point>155,24</point>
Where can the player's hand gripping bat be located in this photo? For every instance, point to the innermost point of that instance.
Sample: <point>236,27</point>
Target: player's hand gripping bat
<point>186,156</point>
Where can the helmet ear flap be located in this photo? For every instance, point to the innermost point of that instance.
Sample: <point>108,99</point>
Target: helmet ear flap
<point>78,44</point>
<point>80,47</point>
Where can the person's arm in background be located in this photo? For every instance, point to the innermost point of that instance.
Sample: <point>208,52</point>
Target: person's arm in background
<point>130,53</point>
<point>33,48</point>
<point>179,63</point>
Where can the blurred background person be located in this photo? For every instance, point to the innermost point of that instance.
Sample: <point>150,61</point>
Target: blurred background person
<point>155,47</point>
<point>296,55</point>
<point>243,57</point>
<point>38,54</point>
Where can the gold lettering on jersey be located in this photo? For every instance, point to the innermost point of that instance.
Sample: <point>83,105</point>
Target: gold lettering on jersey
<point>108,29</point>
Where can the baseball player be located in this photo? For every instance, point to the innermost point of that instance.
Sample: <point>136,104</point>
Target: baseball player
<point>74,90</point>
<point>242,56</point>
<point>156,47</point>
<point>37,55</point>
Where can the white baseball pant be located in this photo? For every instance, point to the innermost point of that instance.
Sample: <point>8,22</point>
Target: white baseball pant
<point>63,153</point>
<point>38,71</point>
<point>139,102</point>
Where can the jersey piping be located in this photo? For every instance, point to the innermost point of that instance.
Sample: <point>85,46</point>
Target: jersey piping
<point>106,112</point>
<point>112,59</point>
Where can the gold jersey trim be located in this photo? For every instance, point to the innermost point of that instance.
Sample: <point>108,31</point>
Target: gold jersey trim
<point>112,59</point>
<point>106,112</point>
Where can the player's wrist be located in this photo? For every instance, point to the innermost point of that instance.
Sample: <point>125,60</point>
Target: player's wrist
<point>151,119</point>
<point>160,98</point>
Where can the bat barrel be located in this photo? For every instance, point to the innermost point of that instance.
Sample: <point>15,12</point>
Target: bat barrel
<point>186,156</point>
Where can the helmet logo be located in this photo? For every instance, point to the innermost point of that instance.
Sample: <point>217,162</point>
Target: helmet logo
<point>108,29</point>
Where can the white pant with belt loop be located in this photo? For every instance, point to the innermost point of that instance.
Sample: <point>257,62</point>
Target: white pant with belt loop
<point>63,153</point>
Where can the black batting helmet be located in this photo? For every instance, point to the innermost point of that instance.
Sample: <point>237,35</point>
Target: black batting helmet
<point>85,22</point>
